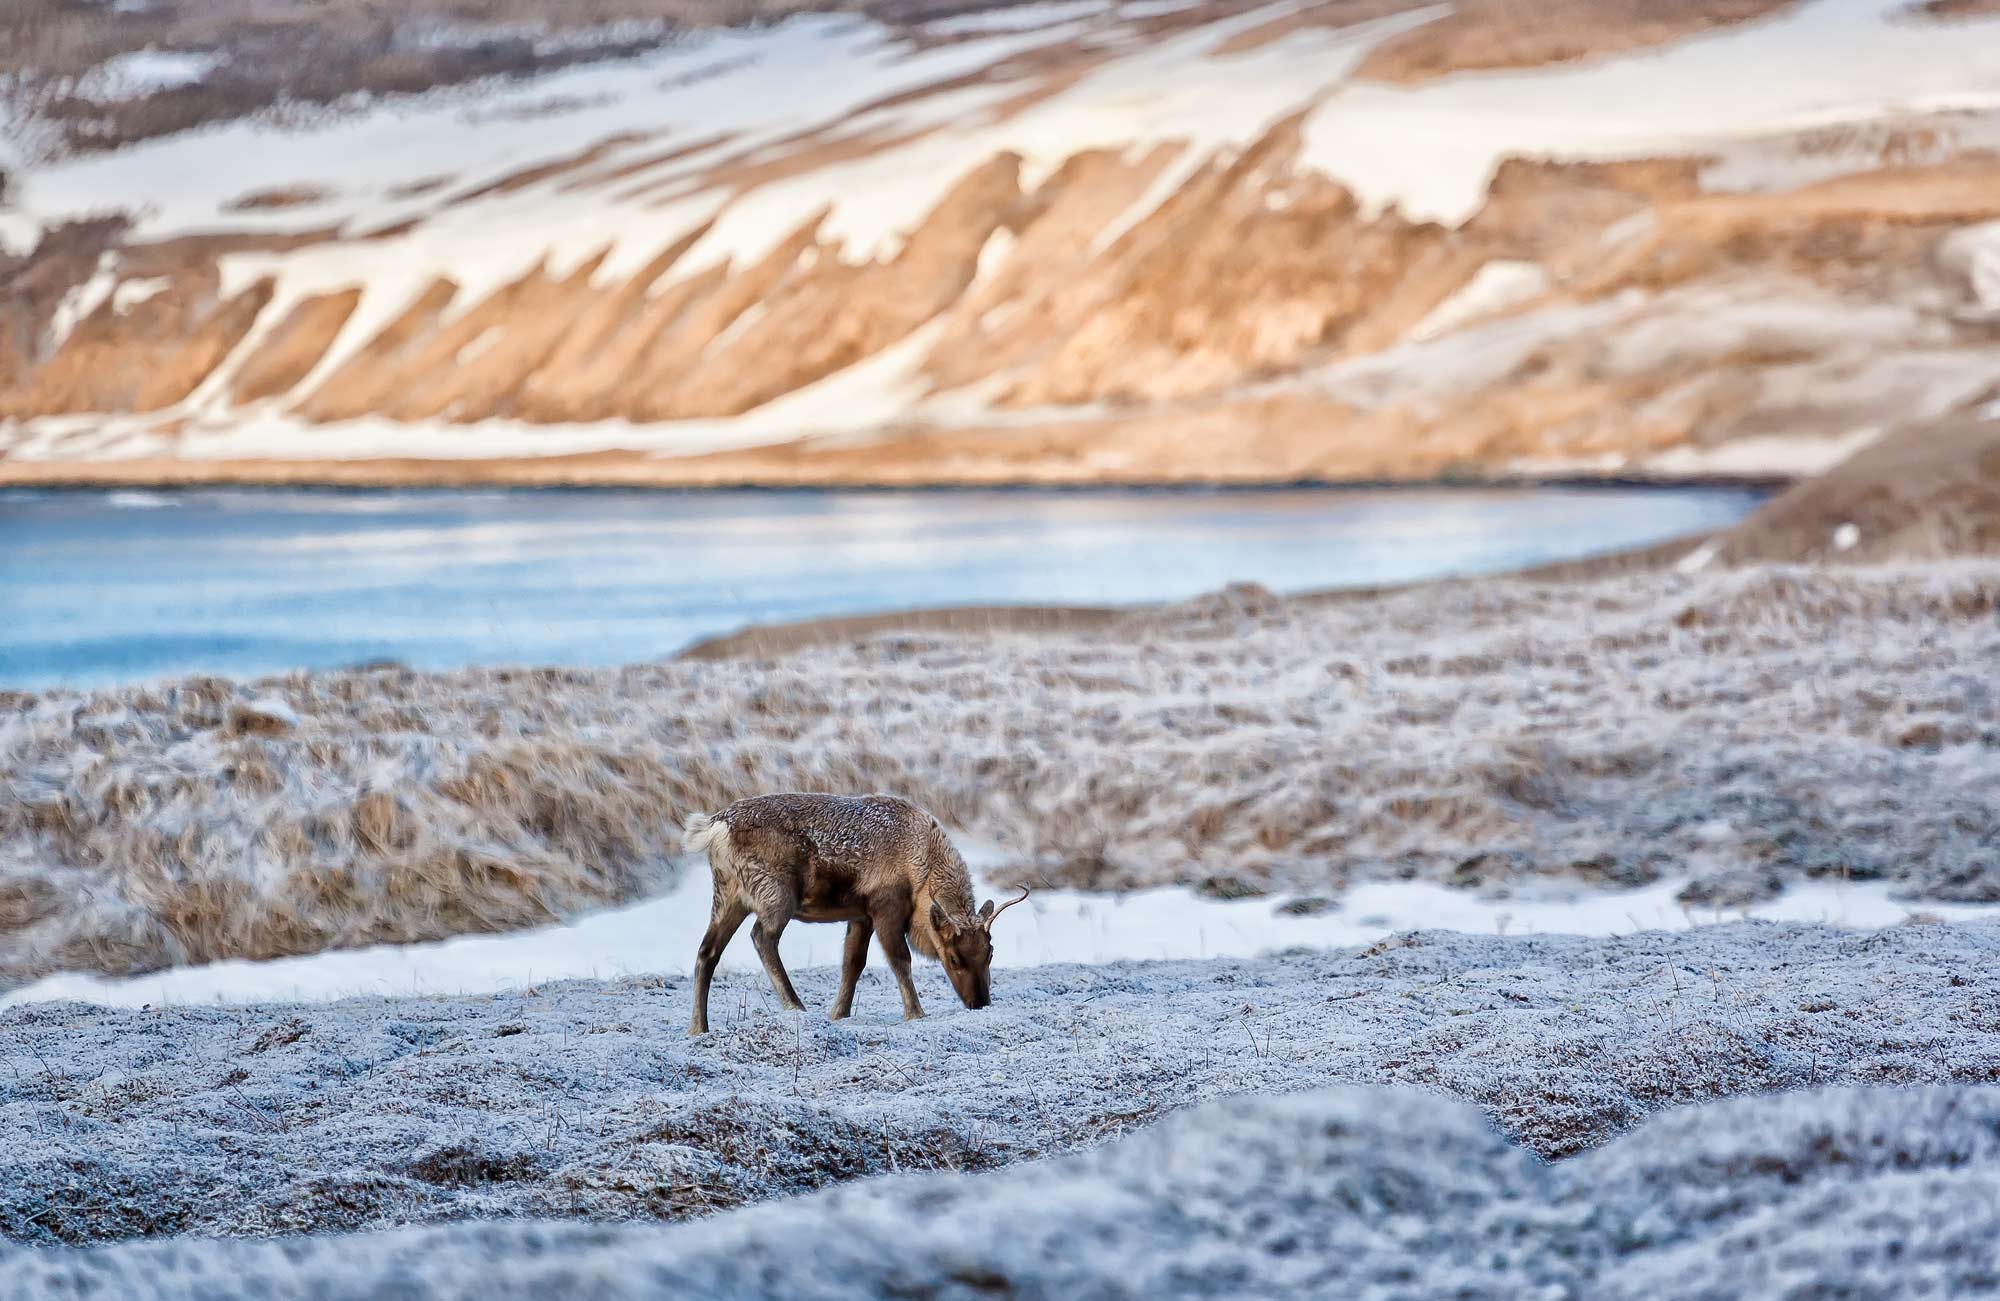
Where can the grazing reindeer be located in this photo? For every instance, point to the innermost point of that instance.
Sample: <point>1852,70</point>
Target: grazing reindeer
<point>878,863</point>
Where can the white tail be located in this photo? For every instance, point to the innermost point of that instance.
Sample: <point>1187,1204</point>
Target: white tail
<point>700,832</point>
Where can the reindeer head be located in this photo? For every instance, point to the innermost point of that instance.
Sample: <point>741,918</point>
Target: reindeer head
<point>967,950</point>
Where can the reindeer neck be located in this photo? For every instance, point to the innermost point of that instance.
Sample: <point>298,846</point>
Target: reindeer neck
<point>946,881</point>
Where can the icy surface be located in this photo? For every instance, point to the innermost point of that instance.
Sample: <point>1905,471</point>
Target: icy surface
<point>586,1100</point>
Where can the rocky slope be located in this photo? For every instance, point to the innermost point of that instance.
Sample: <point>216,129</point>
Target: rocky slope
<point>1075,241</point>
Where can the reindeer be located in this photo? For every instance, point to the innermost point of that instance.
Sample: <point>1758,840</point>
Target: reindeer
<point>876,862</point>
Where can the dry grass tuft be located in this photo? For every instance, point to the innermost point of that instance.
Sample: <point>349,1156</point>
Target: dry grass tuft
<point>1746,727</point>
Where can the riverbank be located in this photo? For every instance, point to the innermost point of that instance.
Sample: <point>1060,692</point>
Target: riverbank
<point>616,470</point>
<point>1926,492</point>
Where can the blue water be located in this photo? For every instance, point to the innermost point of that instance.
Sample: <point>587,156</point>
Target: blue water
<point>100,587</point>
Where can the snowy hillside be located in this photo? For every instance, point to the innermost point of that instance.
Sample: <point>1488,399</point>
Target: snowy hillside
<point>1055,241</point>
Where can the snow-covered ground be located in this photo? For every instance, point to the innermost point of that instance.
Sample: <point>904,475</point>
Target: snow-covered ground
<point>658,936</point>
<point>1856,1193</point>
<point>588,1100</point>
<point>1430,149</point>
<point>147,72</point>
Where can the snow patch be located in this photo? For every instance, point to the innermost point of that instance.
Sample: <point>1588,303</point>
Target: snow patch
<point>993,255</point>
<point>140,73</point>
<point>19,233</point>
<point>1626,230</point>
<point>1973,254</point>
<point>479,345</point>
<point>1494,288</point>
<point>263,713</point>
<point>1698,559</point>
<point>130,293</point>
<point>745,321</point>
<point>82,300</point>
<point>1054,926</point>
<point>1015,18</point>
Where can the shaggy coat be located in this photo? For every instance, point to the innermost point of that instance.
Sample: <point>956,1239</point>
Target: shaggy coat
<point>876,862</point>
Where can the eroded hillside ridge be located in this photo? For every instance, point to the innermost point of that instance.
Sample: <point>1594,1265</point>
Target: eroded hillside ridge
<point>1741,730</point>
<point>1065,242</point>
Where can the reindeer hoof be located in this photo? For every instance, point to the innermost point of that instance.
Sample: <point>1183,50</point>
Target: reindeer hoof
<point>917,1015</point>
<point>695,1030</point>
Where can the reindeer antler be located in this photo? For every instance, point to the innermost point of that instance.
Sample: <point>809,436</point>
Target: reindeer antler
<point>1005,906</point>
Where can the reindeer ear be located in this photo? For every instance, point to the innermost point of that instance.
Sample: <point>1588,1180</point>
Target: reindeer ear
<point>986,911</point>
<point>941,923</point>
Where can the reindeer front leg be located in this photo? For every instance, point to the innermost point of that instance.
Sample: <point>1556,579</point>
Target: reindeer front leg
<point>765,935</point>
<point>896,949</point>
<point>852,959</point>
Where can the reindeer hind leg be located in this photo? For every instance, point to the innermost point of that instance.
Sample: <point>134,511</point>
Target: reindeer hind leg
<point>765,932</point>
<point>725,915</point>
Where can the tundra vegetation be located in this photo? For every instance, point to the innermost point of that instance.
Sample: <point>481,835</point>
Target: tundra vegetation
<point>1747,727</point>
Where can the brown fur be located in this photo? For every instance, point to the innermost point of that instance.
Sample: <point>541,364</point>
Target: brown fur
<point>876,862</point>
